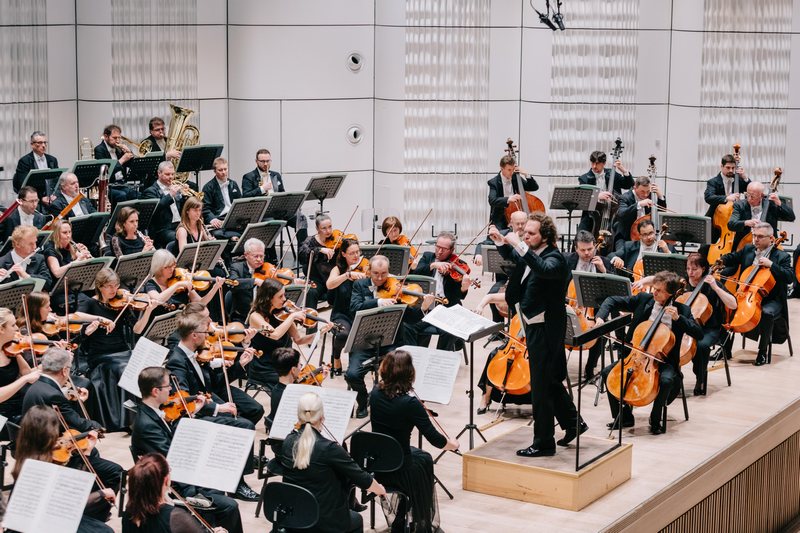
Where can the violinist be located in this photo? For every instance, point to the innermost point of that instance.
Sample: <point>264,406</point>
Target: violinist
<point>539,284</point>
<point>503,190</point>
<point>25,215</point>
<point>15,372</point>
<point>151,433</point>
<point>747,213</point>
<point>586,259</point>
<point>324,468</point>
<point>23,261</point>
<point>720,189</point>
<point>59,251</point>
<point>677,317</point>
<point>196,379</point>
<point>773,305</point>
<point>340,285</point>
<point>56,364</point>
<point>625,257</point>
<point>243,272</point>
<point>165,289</point>
<point>40,313</point>
<point>633,205</point>
<point>38,436</point>
<point>287,365</point>
<point>218,195</point>
<point>323,261</point>
<point>191,228</point>
<point>127,238</point>
<point>600,176</point>
<point>392,229</point>
<point>397,411</point>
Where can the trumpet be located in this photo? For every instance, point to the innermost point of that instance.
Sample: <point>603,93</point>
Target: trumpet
<point>188,191</point>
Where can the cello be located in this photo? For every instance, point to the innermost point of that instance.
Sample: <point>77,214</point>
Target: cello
<point>604,216</point>
<point>530,203</point>
<point>773,188</point>
<point>701,311</point>
<point>509,370</point>
<point>722,214</point>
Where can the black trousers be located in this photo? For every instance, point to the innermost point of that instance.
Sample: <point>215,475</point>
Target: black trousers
<point>701,356</point>
<point>247,407</point>
<point>669,384</point>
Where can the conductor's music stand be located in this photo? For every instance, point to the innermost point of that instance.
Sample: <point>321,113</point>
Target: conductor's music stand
<point>88,170</point>
<point>574,198</point>
<point>266,232</point>
<point>284,206</point>
<point>162,327</point>
<point>321,188</point>
<point>144,168</point>
<point>80,275</point>
<point>10,293</point>
<point>686,228</point>
<point>197,158</point>
<point>397,255</point>
<point>38,179</point>
<point>133,268</point>
<point>146,208</point>
<point>86,228</point>
<point>244,211</point>
<point>207,257</point>
<point>655,262</point>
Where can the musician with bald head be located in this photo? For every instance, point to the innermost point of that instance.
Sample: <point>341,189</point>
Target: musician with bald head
<point>750,211</point>
<point>68,190</point>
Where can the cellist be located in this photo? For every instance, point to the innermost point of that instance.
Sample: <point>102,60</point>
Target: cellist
<point>719,189</point>
<point>633,205</point>
<point>600,176</point>
<point>678,317</point>
<point>625,258</point>
<point>779,263</point>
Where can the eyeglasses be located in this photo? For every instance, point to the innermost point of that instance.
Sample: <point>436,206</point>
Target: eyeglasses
<point>163,387</point>
<point>761,236</point>
<point>442,247</point>
<point>38,142</point>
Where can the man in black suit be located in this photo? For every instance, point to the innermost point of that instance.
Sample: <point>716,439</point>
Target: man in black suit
<point>157,142</point>
<point>627,256</point>
<point>34,160</point>
<point>773,305</point>
<point>111,147</point>
<point>503,190</point>
<point>67,191</point>
<point>677,317</point>
<point>25,214</point>
<point>21,262</point>
<point>748,213</point>
<point>242,271</point>
<point>600,176</point>
<point>56,365</point>
<point>542,290</point>
<point>218,195</point>
<point>633,205</point>
<point>152,433</point>
<point>167,215</point>
<point>263,181</point>
<point>720,189</point>
<point>196,379</point>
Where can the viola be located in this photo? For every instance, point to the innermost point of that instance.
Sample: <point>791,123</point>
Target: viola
<point>311,375</point>
<point>336,237</point>
<point>211,351</point>
<point>284,275</point>
<point>38,343</point>
<point>407,293</point>
<point>509,370</point>
<point>201,280</point>
<point>73,323</point>
<point>458,269</point>
<point>362,266</point>
<point>66,445</point>
<point>178,404</point>
<point>235,332</point>
<point>312,316</point>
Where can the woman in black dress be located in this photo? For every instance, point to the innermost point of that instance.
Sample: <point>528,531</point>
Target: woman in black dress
<point>15,373</point>
<point>396,411</point>
<point>127,239</point>
<point>340,283</point>
<point>191,229</point>
<point>160,288</point>
<point>59,251</point>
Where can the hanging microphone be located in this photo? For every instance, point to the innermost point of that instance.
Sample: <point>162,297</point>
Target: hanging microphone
<point>544,18</point>
<point>557,18</point>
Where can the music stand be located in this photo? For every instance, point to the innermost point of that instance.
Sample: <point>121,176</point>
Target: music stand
<point>146,208</point>
<point>574,198</point>
<point>244,211</point>
<point>494,262</point>
<point>10,293</point>
<point>144,168</point>
<point>284,206</point>
<point>133,268</point>
<point>197,158</point>
<point>86,228</point>
<point>686,228</point>
<point>293,292</point>
<point>655,262</point>
<point>80,275</point>
<point>88,170</point>
<point>38,179</point>
<point>162,326</point>
<point>321,188</point>
<point>397,255</point>
<point>266,232</point>
<point>207,257</point>
<point>41,237</point>
<point>592,288</point>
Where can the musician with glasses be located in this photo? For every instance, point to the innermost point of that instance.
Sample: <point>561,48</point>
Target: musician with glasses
<point>747,213</point>
<point>633,205</point>
<point>36,159</point>
<point>25,214</point>
<point>158,138</point>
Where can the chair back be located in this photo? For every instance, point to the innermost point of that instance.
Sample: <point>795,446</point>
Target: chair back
<point>376,452</point>
<point>13,431</point>
<point>289,506</point>
<point>427,283</point>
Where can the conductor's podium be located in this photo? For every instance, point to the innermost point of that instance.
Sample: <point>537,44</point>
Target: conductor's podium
<point>495,469</point>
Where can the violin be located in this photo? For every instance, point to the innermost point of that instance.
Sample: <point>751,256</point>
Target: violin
<point>138,302</point>
<point>311,375</point>
<point>402,240</point>
<point>201,280</point>
<point>38,343</point>
<point>509,370</point>
<point>284,275</point>
<point>178,404</point>
<point>755,283</point>
<point>701,311</point>
<point>362,266</point>
<point>336,237</point>
<point>458,269</point>
<point>407,293</point>
<point>312,316</point>
<point>235,332</point>
<point>211,351</point>
<point>66,445</point>
<point>530,203</point>
<point>72,323</point>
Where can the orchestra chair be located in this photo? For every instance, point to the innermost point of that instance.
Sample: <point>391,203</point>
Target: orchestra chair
<point>685,410</point>
<point>288,506</point>
<point>123,490</point>
<point>266,469</point>
<point>257,386</point>
<point>378,452</point>
<point>782,322</point>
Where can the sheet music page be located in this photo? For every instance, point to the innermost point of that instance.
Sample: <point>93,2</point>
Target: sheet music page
<point>457,320</point>
<point>436,372</point>
<point>48,497</point>
<point>145,353</point>
<point>338,405</point>
<point>209,455</point>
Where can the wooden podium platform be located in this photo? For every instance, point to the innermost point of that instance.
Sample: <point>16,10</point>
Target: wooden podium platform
<point>495,469</point>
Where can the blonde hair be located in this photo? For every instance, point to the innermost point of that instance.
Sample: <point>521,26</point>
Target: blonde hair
<point>23,232</point>
<point>6,316</point>
<point>189,204</point>
<point>161,259</point>
<point>309,412</point>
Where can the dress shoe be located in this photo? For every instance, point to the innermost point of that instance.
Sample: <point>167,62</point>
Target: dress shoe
<point>655,429</point>
<point>245,493</point>
<point>625,424</point>
<point>362,413</point>
<point>699,390</point>
<point>530,451</point>
<point>570,434</point>
<point>760,360</point>
<point>482,410</point>
<point>337,371</point>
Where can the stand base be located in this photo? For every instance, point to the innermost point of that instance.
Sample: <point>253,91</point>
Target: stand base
<point>495,469</point>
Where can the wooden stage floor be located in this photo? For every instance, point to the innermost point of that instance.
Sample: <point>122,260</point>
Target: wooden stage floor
<point>716,421</point>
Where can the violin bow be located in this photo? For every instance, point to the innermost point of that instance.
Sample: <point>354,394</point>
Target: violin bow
<point>66,306</point>
<point>208,527</point>
<point>419,227</point>
<point>177,386</point>
<point>433,419</point>
<point>475,238</point>
<point>344,231</point>
<point>302,300</point>
<point>221,351</point>
<point>28,325</point>
<point>78,396</point>
<point>128,303</point>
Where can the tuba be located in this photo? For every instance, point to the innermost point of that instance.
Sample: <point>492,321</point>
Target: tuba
<point>180,135</point>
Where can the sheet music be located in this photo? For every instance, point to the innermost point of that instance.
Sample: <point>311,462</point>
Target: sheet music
<point>48,497</point>
<point>209,455</point>
<point>457,320</point>
<point>338,405</point>
<point>436,372</point>
<point>145,353</point>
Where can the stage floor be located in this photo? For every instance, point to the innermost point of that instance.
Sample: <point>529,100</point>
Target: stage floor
<point>716,421</point>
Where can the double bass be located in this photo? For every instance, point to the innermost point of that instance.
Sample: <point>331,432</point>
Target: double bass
<point>651,173</point>
<point>722,214</point>
<point>530,203</point>
<point>773,188</point>
<point>603,218</point>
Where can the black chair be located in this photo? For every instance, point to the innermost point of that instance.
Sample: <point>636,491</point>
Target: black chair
<point>780,328</point>
<point>289,506</point>
<point>379,453</point>
<point>266,469</point>
<point>685,410</point>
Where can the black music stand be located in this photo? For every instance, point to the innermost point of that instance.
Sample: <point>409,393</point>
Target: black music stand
<point>80,275</point>
<point>86,229</point>
<point>686,228</point>
<point>321,188</point>
<point>88,170</point>
<point>244,211</point>
<point>41,237</point>
<point>293,292</point>
<point>655,262</point>
<point>39,178</point>
<point>207,257</point>
<point>398,256</point>
<point>146,208</point>
<point>197,158</point>
<point>12,292</point>
<point>145,168</point>
<point>494,262</point>
<point>574,198</point>
<point>162,327</point>
<point>284,206</point>
<point>266,232</point>
<point>133,268</point>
